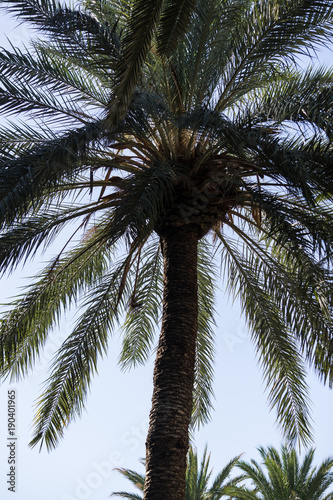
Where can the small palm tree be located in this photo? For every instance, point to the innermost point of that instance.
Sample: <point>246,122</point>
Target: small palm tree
<point>285,478</point>
<point>197,479</point>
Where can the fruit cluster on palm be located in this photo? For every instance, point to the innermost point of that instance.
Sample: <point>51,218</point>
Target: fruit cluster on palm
<point>169,133</point>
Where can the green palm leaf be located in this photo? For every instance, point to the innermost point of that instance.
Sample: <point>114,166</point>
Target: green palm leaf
<point>64,397</point>
<point>174,21</point>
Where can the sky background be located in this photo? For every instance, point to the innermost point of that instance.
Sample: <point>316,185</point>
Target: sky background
<point>111,432</point>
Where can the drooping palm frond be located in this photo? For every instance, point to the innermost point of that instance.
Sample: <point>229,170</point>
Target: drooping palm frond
<point>204,369</point>
<point>33,11</point>
<point>64,396</point>
<point>285,476</point>
<point>144,307</point>
<point>26,177</point>
<point>25,330</point>
<point>55,73</point>
<point>282,365</point>
<point>300,96</point>
<point>304,307</point>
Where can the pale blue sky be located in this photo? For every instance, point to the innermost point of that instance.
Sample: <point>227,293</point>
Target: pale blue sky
<point>112,431</point>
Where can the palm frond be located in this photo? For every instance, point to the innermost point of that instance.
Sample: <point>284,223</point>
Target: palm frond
<point>144,18</point>
<point>23,98</point>
<point>25,238</point>
<point>25,177</point>
<point>138,480</point>
<point>37,12</point>
<point>25,328</point>
<point>144,307</point>
<point>299,96</point>
<point>278,353</point>
<point>173,23</point>
<point>270,34</point>
<point>47,70</point>
<point>125,494</point>
<point>223,483</point>
<point>205,353</point>
<point>303,300</point>
<point>285,476</point>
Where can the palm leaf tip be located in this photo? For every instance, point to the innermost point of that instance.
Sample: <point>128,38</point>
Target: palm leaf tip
<point>174,20</point>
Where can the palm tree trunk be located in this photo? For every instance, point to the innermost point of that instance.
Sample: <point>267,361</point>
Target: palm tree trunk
<point>167,441</point>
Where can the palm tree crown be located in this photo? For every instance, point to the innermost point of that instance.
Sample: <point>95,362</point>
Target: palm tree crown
<point>169,136</point>
<point>288,478</point>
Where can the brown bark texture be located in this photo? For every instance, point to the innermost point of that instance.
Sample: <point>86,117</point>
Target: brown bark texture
<point>167,441</point>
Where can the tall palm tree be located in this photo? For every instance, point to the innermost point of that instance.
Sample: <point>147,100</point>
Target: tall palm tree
<point>285,478</point>
<point>218,144</point>
<point>197,480</point>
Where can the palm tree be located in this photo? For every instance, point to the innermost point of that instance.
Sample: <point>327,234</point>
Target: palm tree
<point>197,479</point>
<point>162,159</point>
<point>286,478</point>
